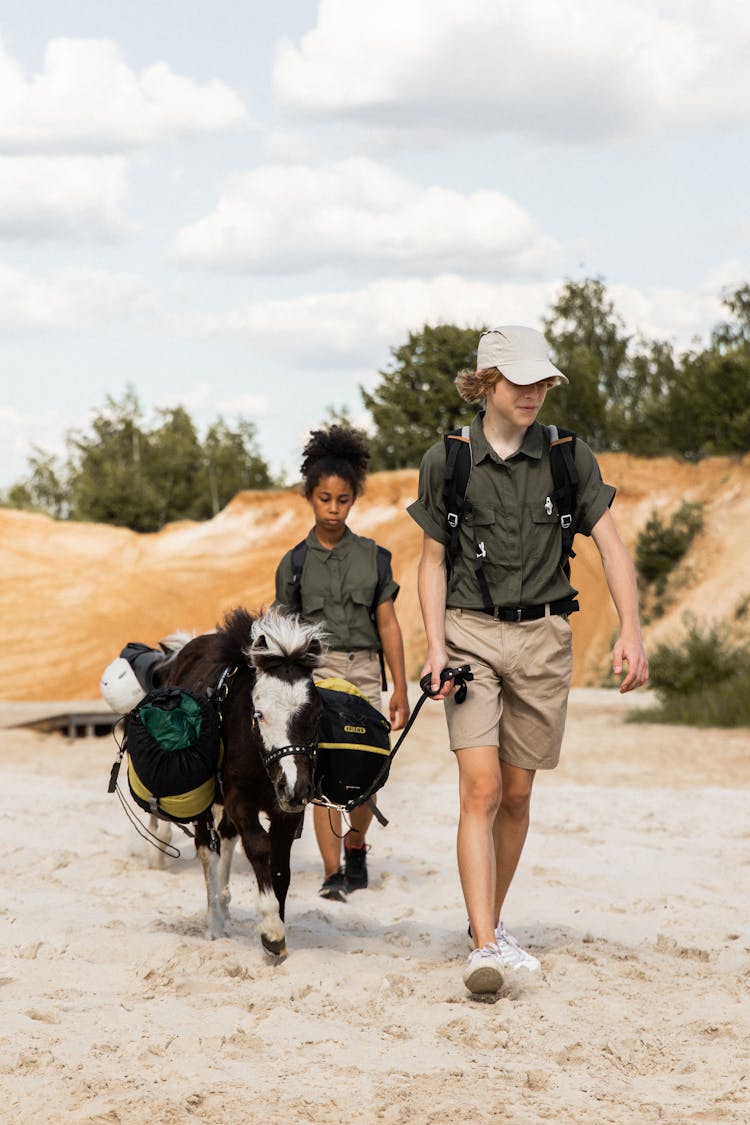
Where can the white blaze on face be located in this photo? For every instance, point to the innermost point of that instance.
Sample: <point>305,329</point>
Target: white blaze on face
<point>278,702</point>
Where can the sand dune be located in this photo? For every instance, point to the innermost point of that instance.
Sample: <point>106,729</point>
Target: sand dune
<point>73,594</point>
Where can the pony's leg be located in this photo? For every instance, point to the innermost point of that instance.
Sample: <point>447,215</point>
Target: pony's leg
<point>208,848</point>
<point>162,831</point>
<point>228,834</point>
<point>257,845</point>
<point>282,833</point>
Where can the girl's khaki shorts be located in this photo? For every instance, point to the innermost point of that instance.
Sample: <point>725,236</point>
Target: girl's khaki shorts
<point>361,668</point>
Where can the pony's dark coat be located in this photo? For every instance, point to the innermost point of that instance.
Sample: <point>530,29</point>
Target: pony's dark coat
<point>278,649</point>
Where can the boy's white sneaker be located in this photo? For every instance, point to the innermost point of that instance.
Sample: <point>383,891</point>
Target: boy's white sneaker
<point>512,953</point>
<point>484,969</point>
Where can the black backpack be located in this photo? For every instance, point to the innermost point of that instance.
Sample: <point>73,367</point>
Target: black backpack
<point>353,756</point>
<point>383,560</point>
<point>174,750</point>
<point>458,465</point>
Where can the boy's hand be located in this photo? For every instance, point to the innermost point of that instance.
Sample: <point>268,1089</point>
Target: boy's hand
<point>633,654</point>
<point>437,659</point>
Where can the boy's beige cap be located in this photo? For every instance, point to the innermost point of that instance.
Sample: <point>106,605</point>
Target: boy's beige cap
<point>521,354</point>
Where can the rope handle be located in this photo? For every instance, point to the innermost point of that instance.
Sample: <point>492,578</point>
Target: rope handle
<point>459,675</point>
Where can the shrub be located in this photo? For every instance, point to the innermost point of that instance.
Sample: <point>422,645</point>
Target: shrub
<point>703,681</point>
<point>659,548</point>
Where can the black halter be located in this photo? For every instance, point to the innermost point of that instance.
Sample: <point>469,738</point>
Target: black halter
<point>286,751</point>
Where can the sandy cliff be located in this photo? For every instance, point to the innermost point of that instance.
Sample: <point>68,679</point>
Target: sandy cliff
<point>73,594</point>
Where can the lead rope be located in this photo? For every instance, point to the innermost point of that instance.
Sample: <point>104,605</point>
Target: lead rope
<point>460,677</point>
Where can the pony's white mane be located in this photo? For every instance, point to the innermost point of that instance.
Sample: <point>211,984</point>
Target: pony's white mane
<point>286,634</point>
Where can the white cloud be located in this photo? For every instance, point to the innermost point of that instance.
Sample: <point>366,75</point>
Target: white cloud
<point>288,219</point>
<point>675,314</point>
<point>203,403</point>
<point>47,196</point>
<point>576,70</point>
<point>66,300</point>
<point>339,329</point>
<point>86,98</point>
<point>357,328</point>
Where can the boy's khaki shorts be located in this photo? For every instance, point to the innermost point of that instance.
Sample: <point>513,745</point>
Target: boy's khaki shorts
<point>361,668</point>
<point>518,698</point>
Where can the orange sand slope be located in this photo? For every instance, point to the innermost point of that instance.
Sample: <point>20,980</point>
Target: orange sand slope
<point>73,594</point>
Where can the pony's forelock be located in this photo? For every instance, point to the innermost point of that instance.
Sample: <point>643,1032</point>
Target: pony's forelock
<point>287,636</point>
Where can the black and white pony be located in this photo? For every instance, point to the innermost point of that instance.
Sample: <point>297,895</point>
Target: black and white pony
<point>261,670</point>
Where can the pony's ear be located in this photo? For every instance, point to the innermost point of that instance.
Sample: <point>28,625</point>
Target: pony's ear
<point>314,654</point>
<point>259,654</point>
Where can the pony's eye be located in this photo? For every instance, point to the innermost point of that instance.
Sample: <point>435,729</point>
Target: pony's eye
<point>259,716</point>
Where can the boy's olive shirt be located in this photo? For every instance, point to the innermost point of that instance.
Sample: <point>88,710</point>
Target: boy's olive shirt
<point>519,527</point>
<point>337,589</point>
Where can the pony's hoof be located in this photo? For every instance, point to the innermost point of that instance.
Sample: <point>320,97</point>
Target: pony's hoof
<point>275,949</point>
<point>214,931</point>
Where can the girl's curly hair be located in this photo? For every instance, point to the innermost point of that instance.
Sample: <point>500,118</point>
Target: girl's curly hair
<point>335,451</point>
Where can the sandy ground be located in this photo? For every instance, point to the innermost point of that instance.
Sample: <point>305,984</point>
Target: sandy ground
<point>632,891</point>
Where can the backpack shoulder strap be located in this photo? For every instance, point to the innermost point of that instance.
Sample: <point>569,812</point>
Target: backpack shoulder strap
<point>299,554</point>
<point>383,563</point>
<point>562,447</point>
<point>458,465</point>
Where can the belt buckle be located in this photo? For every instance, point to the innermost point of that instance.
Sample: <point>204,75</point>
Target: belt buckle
<point>519,613</point>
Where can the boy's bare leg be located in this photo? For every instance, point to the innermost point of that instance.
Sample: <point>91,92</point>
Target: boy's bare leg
<point>479,781</point>
<point>510,828</point>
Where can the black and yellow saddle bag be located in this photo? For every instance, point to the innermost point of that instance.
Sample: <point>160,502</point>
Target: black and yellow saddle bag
<point>174,754</point>
<point>354,747</point>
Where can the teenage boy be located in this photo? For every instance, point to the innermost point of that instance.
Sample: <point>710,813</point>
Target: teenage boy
<point>519,647</point>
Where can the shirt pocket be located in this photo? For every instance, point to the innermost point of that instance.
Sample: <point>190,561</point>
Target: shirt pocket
<point>362,597</point>
<point>312,604</point>
<point>480,517</point>
<point>544,526</point>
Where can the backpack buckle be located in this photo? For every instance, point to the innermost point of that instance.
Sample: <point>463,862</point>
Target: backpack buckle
<point>452,519</point>
<point>566,521</point>
<point>481,552</point>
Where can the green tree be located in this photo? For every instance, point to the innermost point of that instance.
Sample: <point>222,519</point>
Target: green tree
<point>589,345</point>
<point>45,489</point>
<point>231,462</point>
<point>647,425</point>
<point>174,465</point>
<point>110,479</point>
<point>709,403</point>
<point>416,400</point>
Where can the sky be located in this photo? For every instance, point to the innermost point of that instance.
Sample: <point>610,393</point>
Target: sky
<point>241,208</point>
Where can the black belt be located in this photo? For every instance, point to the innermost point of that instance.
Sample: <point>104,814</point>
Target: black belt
<point>531,612</point>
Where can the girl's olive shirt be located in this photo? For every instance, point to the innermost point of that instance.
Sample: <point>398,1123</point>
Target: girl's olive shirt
<point>338,588</point>
<point>513,518</point>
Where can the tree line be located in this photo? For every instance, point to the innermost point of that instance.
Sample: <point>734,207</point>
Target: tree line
<point>626,393</point>
<point>127,472</point>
